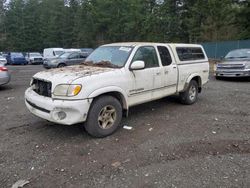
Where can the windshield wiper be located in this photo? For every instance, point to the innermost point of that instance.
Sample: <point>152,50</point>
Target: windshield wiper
<point>100,64</point>
<point>242,57</point>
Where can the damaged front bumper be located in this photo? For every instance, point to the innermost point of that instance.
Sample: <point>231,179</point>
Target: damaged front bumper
<point>65,112</point>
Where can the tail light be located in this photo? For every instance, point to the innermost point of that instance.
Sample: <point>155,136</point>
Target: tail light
<point>3,69</point>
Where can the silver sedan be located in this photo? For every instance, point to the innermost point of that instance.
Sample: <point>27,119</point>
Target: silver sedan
<point>4,75</point>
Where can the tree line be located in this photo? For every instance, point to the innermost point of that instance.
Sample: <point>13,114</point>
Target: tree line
<point>32,25</point>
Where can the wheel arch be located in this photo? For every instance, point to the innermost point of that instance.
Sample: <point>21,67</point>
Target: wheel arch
<point>61,63</point>
<point>115,92</point>
<point>195,77</point>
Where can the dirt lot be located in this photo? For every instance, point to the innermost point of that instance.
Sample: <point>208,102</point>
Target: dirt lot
<point>170,145</point>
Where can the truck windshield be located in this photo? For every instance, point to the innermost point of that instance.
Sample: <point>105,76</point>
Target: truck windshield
<point>239,54</point>
<point>113,55</point>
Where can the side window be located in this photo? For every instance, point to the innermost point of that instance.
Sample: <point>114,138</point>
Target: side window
<point>148,55</point>
<point>165,55</point>
<point>82,56</point>
<point>74,56</point>
<point>192,53</point>
<point>197,53</point>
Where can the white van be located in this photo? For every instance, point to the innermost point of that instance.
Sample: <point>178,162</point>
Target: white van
<point>72,50</point>
<point>49,53</point>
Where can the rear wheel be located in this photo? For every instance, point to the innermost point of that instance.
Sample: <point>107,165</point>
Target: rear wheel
<point>104,117</point>
<point>191,94</point>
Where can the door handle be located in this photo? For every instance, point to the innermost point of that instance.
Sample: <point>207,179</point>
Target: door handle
<point>174,67</point>
<point>166,72</point>
<point>158,73</point>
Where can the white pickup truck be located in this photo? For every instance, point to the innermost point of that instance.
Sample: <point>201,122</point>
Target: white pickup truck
<point>112,79</point>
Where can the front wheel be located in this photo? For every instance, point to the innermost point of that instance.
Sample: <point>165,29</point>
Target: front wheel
<point>104,116</point>
<point>191,94</point>
<point>217,77</point>
<point>61,65</point>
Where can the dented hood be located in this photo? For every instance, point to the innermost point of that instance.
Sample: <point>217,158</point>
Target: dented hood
<point>71,73</point>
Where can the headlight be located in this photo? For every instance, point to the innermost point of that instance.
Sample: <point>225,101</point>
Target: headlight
<point>67,90</point>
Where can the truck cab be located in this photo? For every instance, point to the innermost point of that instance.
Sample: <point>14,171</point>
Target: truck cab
<point>114,78</point>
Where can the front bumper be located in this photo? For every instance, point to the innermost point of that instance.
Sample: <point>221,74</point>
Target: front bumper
<point>233,73</point>
<point>4,77</point>
<point>75,111</point>
<point>36,62</point>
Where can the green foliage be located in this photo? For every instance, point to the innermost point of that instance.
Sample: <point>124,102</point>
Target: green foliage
<point>31,25</point>
<point>243,20</point>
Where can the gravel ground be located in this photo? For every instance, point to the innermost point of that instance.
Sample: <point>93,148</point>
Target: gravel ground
<point>171,145</point>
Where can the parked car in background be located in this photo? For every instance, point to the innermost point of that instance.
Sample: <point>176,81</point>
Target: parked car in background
<point>4,75</point>
<point>49,53</point>
<point>34,58</point>
<point>16,58</point>
<point>86,51</point>
<point>66,59</point>
<point>3,60</point>
<point>235,64</point>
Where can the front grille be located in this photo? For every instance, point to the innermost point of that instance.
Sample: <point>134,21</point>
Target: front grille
<point>42,87</point>
<point>230,66</point>
<point>38,59</point>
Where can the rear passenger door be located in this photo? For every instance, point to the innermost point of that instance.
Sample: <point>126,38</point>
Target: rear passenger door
<point>169,70</point>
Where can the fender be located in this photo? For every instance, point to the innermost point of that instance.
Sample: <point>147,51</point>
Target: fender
<point>190,77</point>
<point>111,89</point>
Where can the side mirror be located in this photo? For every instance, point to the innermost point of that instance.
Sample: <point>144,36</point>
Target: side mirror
<point>137,65</point>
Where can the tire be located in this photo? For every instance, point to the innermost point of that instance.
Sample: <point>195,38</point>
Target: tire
<point>217,77</point>
<point>190,96</point>
<point>104,116</point>
<point>61,65</point>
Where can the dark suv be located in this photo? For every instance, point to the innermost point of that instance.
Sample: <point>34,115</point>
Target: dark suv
<point>16,58</point>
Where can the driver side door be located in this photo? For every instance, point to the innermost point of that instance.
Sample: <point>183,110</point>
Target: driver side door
<point>143,81</point>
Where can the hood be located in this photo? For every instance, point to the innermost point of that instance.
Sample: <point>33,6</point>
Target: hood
<point>70,73</point>
<point>236,62</point>
<point>36,57</point>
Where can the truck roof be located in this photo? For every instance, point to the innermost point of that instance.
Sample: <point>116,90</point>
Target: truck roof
<point>132,44</point>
